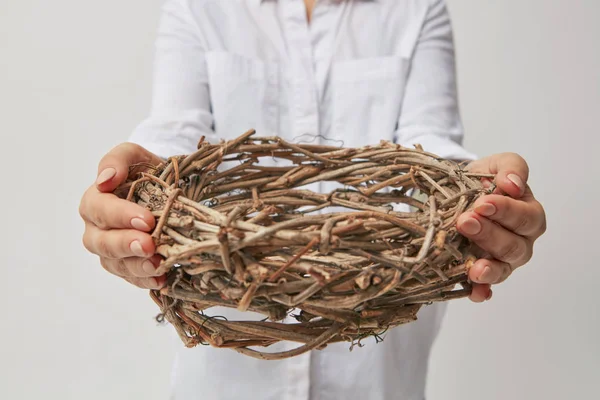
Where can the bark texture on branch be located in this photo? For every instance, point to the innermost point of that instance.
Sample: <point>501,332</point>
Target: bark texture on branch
<point>242,224</point>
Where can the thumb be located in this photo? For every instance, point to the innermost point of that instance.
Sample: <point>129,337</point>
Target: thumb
<point>511,170</point>
<point>113,169</point>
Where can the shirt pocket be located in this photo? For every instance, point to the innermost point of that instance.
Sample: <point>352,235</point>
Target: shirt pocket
<point>367,98</point>
<point>243,93</point>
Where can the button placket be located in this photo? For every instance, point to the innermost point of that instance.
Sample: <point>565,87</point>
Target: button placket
<point>304,117</point>
<point>302,111</point>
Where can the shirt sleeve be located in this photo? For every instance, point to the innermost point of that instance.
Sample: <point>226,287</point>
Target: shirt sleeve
<point>430,113</point>
<point>180,111</point>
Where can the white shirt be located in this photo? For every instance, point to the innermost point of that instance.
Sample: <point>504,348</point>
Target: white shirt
<point>362,71</point>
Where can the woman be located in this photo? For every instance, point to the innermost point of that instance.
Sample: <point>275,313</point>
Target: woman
<point>353,72</point>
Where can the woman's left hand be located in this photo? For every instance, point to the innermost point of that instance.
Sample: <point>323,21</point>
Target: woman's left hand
<point>504,227</point>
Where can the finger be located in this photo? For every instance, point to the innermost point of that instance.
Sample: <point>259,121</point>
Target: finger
<point>148,283</point>
<point>107,211</point>
<point>480,293</point>
<point>500,243</point>
<point>113,169</point>
<point>489,271</point>
<point>118,243</point>
<point>487,182</point>
<point>133,267</point>
<point>525,218</point>
<point>511,170</point>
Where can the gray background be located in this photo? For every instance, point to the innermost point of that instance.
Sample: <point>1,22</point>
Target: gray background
<point>74,81</point>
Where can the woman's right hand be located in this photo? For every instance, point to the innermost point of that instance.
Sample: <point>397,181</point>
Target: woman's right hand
<point>118,230</point>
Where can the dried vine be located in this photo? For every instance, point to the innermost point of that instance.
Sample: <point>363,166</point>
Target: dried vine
<point>238,227</point>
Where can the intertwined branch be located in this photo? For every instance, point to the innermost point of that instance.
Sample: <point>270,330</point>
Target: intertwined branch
<point>239,226</point>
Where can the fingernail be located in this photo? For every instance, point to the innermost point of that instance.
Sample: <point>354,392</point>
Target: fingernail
<point>485,275</point>
<point>489,295</point>
<point>136,248</point>
<point>487,210</point>
<point>148,267</point>
<point>140,224</point>
<point>517,181</point>
<point>471,226</point>
<point>106,175</point>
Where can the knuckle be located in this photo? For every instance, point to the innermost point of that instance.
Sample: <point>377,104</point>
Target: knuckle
<point>84,204</point>
<point>128,146</point>
<point>114,155</point>
<point>485,235</point>
<point>145,283</point>
<point>523,224</point>
<point>134,282</point>
<point>503,207</point>
<point>121,267</point>
<point>136,269</point>
<point>86,241</point>
<point>542,213</point>
<point>518,158</point>
<point>151,283</point>
<point>513,251</point>
<point>105,248</point>
<point>139,282</point>
<point>543,227</point>
<point>100,219</point>
<point>81,209</point>
<point>505,271</point>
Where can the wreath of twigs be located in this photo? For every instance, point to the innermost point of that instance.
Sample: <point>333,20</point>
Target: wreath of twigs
<point>239,233</point>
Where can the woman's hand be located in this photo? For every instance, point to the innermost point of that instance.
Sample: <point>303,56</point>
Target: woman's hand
<point>504,227</point>
<point>116,229</point>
